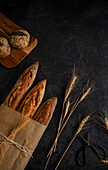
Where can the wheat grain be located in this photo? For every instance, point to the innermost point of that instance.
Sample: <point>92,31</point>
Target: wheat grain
<point>66,109</point>
<point>82,123</point>
<point>16,130</point>
<point>70,87</point>
<point>71,84</point>
<point>85,93</point>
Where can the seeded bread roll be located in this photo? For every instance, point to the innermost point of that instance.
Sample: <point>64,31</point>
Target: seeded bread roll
<point>45,112</point>
<point>5,48</point>
<point>21,87</point>
<point>20,39</point>
<point>33,99</point>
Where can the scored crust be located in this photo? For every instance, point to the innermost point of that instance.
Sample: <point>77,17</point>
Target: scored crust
<point>33,99</point>
<point>22,86</point>
<point>45,112</point>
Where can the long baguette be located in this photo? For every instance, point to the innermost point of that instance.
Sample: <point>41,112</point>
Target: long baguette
<point>45,112</point>
<point>33,100</point>
<point>21,87</point>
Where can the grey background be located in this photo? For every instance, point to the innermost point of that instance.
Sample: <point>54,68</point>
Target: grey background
<point>68,33</point>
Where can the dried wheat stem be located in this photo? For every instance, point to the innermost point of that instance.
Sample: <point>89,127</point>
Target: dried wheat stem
<point>76,104</point>
<point>16,130</point>
<point>78,131</point>
<point>71,111</point>
<point>65,152</point>
<point>48,160</point>
<point>62,120</point>
<point>73,108</point>
<point>69,88</point>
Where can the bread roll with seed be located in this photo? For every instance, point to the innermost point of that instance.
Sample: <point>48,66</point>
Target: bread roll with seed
<point>5,48</point>
<point>21,87</point>
<point>33,100</point>
<point>20,39</point>
<point>45,112</point>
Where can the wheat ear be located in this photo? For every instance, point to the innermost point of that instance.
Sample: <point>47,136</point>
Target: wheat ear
<point>81,97</point>
<point>16,130</point>
<point>70,85</point>
<point>69,88</point>
<point>19,127</point>
<point>78,131</point>
<point>66,110</point>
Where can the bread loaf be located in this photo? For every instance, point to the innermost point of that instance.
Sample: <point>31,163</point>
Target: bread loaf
<point>5,48</point>
<point>20,39</point>
<point>33,100</point>
<point>21,87</point>
<point>45,112</point>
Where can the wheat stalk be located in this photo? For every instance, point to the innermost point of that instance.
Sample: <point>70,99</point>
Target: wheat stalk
<point>85,91</point>
<point>78,131</point>
<point>77,102</point>
<point>64,118</point>
<point>69,88</point>
<point>16,130</point>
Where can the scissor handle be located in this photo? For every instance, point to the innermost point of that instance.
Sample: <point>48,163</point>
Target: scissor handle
<point>83,151</point>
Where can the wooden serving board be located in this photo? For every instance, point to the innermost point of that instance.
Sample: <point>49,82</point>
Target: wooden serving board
<point>16,56</point>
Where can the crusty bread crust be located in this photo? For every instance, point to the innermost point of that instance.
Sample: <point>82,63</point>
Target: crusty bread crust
<point>5,48</point>
<point>33,99</point>
<point>21,87</point>
<point>45,112</point>
<point>20,39</point>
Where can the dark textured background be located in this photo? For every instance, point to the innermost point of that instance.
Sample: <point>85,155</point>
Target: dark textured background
<point>68,33</point>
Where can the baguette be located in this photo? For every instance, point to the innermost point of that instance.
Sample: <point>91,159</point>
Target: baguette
<point>33,100</point>
<point>45,112</point>
<point>21,87</point>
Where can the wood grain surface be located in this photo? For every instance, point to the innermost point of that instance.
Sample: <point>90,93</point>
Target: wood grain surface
<point>17,55</point>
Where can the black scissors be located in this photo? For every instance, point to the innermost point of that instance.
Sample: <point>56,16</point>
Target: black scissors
<point>95,148</point>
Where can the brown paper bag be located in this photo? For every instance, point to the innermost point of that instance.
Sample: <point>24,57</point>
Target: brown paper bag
<point>12,158</point>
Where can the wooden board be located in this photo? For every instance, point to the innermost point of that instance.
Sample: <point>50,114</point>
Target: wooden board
<point>16,56</point>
